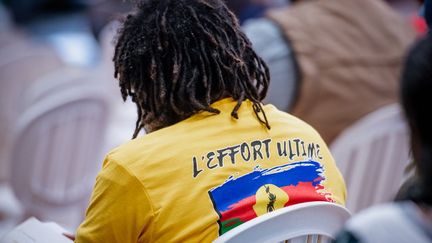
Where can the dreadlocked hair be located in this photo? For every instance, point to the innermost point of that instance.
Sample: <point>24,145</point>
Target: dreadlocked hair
<point>176,57</point>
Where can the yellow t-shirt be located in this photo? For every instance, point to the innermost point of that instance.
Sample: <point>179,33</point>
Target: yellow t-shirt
<point>195,180</point>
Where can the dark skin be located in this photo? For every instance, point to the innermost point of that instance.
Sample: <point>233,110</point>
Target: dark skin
<point>70,236</point>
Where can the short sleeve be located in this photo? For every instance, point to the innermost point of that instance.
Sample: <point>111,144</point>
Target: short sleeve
<point>120,209</point>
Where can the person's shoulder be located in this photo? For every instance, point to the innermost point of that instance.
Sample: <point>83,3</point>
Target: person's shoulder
<point>265,35</point>
<point>260,26</point>
<point>389,222</point>
<point>376,215</point>
<point>286,119</point>
<point>366,223</point>
<point>140,148</point>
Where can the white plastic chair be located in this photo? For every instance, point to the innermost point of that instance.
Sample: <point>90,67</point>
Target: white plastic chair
<point>35,61</point>
<point>56,154</point>
<point>372,155</point>
<point>304,222</point>
<point>21,62</point>
<point>57,81</point>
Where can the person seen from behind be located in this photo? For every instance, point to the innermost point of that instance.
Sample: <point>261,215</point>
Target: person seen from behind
<point>332,61</point>
<point>214,156</point>
<point>409,220</point>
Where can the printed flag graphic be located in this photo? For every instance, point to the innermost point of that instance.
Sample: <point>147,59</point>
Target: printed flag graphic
<point>264,190</point>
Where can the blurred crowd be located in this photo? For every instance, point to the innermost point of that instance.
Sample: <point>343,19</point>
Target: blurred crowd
<point>331,63</point>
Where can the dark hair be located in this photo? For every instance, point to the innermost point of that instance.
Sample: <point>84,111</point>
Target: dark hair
<point>428,13</point>
<point>176,57</point>
<point>416,99</point>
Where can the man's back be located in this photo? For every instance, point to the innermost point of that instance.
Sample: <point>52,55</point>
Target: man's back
<point>207,174</point>
<point>214,156</point>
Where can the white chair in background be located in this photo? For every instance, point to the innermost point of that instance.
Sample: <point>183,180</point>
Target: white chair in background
<point>372,155</point>
<point>57,81</point>
<point>56,153</point>
<point>11,212</point>
<point>20,64</point>
<point>71,78</point>
<point>304,222</point>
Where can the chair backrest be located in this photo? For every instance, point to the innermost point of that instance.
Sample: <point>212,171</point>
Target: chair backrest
<point>372,155</point>
<point>304,222</point>
<point>57,81</point>
<point>18,70</point>
<point>56,152</point>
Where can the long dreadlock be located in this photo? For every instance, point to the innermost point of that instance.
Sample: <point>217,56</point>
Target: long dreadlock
<point>176,57</point>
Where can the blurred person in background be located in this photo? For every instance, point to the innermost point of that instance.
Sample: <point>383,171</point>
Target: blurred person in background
<point>214,156</point>
<point>332,61</point>
<point>408,220</point>
<point>64,25</point>
<point>410,10</point>
<point>428,13</point>
<point>26,11</point>
<point>250,9</point>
